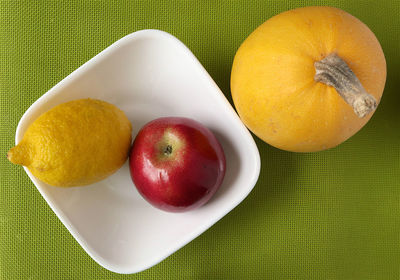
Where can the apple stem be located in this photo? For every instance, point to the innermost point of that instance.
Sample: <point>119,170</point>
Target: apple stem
<point>168,150</point>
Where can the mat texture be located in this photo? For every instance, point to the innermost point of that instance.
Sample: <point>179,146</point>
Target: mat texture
<point>327,215</point>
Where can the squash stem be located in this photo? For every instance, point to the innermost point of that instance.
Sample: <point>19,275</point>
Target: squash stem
<point>334,71</point>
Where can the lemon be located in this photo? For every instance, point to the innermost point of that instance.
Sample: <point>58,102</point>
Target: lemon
<point>75,143</point>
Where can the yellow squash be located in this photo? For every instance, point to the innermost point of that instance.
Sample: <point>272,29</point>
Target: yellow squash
<point>308,79</point>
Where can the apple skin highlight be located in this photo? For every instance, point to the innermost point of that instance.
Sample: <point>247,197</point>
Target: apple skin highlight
<point>176,164</point>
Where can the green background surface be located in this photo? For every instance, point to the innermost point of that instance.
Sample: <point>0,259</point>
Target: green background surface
<point>328,215</point>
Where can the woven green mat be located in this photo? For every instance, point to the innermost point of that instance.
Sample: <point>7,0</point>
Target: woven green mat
<point>327,215</point>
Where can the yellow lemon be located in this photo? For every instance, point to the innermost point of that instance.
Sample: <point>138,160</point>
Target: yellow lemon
<point>75,143</point>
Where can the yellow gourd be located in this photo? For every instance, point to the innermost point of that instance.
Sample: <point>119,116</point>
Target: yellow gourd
<point>308,79</point>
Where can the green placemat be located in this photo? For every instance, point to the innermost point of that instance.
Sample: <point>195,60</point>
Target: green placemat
<point>327,215</point>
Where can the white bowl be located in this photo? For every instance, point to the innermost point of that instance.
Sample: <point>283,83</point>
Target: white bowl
<point>148,74</point>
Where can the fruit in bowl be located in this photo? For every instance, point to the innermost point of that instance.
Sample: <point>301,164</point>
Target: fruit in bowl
<point>176,163</point>
<point>76,143</point>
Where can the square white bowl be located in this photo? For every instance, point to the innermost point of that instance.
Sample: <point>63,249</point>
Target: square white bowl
<point>148,74</point>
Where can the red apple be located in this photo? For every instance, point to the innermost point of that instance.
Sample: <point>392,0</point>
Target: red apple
<point>177,164</point>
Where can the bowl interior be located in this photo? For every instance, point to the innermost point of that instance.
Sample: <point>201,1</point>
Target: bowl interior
<point>147,74</point>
